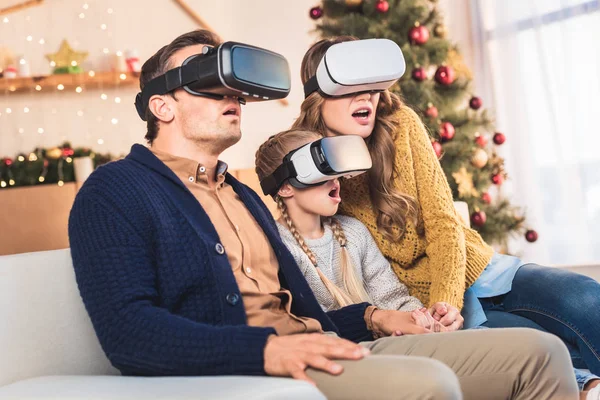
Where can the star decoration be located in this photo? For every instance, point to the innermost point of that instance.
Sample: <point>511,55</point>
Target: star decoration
<point>66,58</point>
<point>464,180</point>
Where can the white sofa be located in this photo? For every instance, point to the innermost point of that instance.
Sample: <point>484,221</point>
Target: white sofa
<point>48,348</point>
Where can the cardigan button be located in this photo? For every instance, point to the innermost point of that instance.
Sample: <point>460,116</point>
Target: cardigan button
<point>219,248</point>
<point>233,298</point>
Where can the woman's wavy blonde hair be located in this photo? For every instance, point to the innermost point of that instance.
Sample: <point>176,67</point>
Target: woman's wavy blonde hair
<point>268,157</point>
<point>392,208</point>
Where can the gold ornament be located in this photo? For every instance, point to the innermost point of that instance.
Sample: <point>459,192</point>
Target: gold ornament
<point>66,57</point>
<point>54,153</point>
<point>464,180</point>
<point>440,31</point>
<point>353,3</point>
<point>479,159</point>
<point>457,63</point>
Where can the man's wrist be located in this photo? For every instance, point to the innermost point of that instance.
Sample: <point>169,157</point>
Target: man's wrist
<point>373,320</point>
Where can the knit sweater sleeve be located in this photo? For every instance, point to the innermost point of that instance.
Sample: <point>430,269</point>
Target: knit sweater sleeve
<point>446,248</point>
<point>115,270</point>
<point>382,284</point>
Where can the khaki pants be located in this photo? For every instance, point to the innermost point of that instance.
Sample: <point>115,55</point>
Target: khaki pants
<point>475,364</point>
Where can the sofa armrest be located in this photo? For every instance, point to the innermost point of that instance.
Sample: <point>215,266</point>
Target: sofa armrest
<point>180,388</point>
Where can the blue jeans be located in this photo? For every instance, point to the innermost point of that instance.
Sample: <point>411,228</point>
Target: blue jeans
<point>553,300</point>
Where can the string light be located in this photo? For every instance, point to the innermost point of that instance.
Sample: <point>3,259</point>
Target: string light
<point>26,110</point>
<point>42,41</point>
<point>114,121</point>
<point>100,141</point>
<point>52,64</point>
<point>41,179</point>
<point>21,158</point>
<point>119,53</point>
<point>8,110</point>
<point>103,27</point>
<point>80,113</point>
<point>29,38</point>
<point>40,130</point>
<point>103,96</point>
<point>38,87</point>
<point>74,63</point>
<point>22,61</point>
<point>3,184</point>
<point>117,100</point>
<point>78,89</point>
<point>82,15</point>
<point>5,20</point>
<point>92,74</point>
<point>86,6</point>
<point>60,86</point>
<point>11,182</point>
<point>32,157</point>
<point>60,183</point>
<point>123,77</point>
<point>21,131</point>
<point>105,50</point>
<point>69,160</point>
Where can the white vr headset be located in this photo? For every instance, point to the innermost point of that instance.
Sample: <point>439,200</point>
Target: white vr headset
<point>320,161</point>
<point>357,66</point>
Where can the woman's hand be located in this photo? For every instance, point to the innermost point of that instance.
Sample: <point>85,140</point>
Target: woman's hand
<point>423,317</point>
<point>448,315</point>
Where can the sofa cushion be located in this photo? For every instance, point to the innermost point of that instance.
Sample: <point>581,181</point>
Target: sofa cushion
<point>173,388</point>
<point>45,329</point>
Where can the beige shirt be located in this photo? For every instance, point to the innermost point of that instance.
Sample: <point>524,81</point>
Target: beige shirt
<point>249,251</point>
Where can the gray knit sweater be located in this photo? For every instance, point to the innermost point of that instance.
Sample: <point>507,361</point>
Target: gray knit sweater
<point>382,285</point>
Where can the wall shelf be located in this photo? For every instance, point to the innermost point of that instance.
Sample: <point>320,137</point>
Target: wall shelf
<point>68,82</point>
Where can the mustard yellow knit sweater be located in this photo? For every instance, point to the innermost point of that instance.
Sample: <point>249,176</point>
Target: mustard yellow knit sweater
<point>441,263</point>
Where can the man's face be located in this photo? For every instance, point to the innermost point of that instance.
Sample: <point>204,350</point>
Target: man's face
<point>214,123</point>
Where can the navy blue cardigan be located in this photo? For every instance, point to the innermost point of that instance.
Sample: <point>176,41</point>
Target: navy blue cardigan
<point>162,298</point>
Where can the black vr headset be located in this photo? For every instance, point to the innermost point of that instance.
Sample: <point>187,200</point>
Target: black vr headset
<point>231,69</point>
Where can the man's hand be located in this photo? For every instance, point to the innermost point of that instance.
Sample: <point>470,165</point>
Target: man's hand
<point>396,323</point>
<point>448,315</point>
<point>423,317</point>
<point>291,355</point>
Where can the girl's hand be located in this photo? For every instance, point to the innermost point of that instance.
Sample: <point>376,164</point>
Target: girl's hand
<point>423,317</point>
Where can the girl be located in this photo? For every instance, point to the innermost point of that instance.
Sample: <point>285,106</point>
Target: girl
<point>406,203</point>
<point>338,256</point>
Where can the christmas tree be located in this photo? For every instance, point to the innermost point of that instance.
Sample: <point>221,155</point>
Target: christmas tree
<point>438,86</point>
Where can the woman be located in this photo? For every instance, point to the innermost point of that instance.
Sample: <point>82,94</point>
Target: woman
<point>406,203</point>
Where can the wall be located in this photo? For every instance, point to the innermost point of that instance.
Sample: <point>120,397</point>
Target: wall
<point>283,26</point>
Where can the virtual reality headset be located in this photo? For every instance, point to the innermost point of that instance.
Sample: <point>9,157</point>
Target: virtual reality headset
<point>231,69</point>
<point>320,161</point>
<point>370,65</point>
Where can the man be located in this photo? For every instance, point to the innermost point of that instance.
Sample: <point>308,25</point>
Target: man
<point>183,273</point>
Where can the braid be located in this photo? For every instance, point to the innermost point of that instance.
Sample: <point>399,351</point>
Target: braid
<point>339,296</point>
<point>294,231</point>
<point>352,283</point>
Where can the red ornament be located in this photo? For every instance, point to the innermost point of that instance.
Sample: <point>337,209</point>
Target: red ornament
<point>46,162</point>
<point>444,75</point>
<point>486,198</point>
<point>531,236</point>
<point>419,74</point>
<point>475,103</point>
<point>447,131</point>
<point>67,152</point>
<point>499,138</point>
<point>316,12</point>
<point>382,6</point>
<point>497,179</point>
<point>481,140</point>
<point>478,218</point>
<point>8,162</point>
<point>418,34</point>
<point>432,111</point>
<point>437,147</point>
